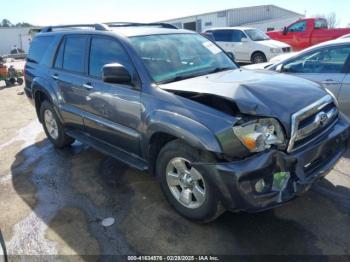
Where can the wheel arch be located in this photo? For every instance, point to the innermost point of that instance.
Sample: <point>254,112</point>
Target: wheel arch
<point>41,91</point>
<point>167,126</point>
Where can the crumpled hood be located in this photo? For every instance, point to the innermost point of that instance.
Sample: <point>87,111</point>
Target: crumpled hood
<point>262,93</point>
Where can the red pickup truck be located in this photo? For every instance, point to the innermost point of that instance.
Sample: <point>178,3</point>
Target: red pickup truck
<point>307,32</point>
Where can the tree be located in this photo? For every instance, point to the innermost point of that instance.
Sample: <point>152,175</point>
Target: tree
<point>6,23</point>
<point>23,25</point>
<point>333,22</point>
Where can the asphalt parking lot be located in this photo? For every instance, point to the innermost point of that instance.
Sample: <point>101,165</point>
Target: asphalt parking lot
<point>53,201</point>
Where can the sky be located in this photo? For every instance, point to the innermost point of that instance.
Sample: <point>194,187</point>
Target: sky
<point>51,12</point>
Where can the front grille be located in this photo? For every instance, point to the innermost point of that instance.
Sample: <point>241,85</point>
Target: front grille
<point>310,122</point>
<point>286,49</point>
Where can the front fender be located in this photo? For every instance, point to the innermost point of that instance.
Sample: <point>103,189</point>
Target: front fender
<point>193,132</point>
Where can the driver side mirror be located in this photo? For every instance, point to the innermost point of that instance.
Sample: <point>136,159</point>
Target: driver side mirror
<point>279,68</point>
<point>285,30</point>
<point>116,74</point>
<point>244,40</point>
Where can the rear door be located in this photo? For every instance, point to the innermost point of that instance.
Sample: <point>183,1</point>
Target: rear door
<point>112,111</point>
<point>327,66</point>
<point>68,73</point>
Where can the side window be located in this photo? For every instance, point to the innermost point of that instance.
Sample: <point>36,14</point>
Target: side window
<point>298,27</point>
<point>40,49</point>
<point>74,54</point>
<point>105,51</point>
<point>328,60</point>
<point>222,35</point>
<point>321,24</point>
<point>237,35</point>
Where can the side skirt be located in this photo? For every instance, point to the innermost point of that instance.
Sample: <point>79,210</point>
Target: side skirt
<point>117,153</point>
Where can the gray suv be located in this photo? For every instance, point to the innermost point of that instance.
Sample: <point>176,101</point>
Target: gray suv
<point>172,102</point>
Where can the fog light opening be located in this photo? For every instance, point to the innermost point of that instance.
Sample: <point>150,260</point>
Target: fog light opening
<point>261,186</point>
<point>280,181</point>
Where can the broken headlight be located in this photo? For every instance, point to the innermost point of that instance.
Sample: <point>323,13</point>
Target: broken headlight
<point>260,134</point>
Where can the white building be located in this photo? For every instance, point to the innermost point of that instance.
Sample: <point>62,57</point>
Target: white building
<point>13,37</point>
<point>264,17</point>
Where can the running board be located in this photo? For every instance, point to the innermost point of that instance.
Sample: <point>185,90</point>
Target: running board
<point>107,149</point>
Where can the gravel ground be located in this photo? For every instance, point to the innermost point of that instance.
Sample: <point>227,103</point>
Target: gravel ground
<point>54,201</point>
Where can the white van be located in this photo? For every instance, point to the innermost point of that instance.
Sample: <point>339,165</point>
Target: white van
<point>248,45</point>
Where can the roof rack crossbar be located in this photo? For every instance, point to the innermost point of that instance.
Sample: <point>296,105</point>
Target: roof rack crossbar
<point>100,27</point>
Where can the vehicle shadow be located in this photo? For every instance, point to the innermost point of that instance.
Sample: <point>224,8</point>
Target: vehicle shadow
<point>76,188</point>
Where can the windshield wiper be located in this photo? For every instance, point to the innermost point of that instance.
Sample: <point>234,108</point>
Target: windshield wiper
<point>219,69</point>
<point>183,77</point>
<point>179,78</point>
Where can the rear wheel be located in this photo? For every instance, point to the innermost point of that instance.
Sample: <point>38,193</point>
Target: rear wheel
<point>187,188</point>
<point>53,127</point>
<point>258,57</point>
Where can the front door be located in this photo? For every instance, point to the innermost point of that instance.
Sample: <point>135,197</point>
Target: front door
<point>325,66</point>
<point>112,111</point>
<point>344,96</point>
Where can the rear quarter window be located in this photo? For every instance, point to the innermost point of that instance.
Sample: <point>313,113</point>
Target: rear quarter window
<point>41,50</point>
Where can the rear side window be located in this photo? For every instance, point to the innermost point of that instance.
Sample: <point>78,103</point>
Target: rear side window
<point>222,35</point>
<point>228,35</point>
<point>105,51</point>
<point>74,54</point>
<point>41,50</point>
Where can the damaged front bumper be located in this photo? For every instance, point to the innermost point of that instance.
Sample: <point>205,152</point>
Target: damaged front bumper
<point>237,182</point>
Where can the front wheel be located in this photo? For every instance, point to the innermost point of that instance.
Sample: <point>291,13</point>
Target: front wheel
<point>53,127</point>
<point>258,58</point>
<point>188,189</point>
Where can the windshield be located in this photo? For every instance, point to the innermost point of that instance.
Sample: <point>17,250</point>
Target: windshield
<point>256,35</point>
<point>174,57</point>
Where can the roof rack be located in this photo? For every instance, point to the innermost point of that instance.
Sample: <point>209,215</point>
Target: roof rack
<point>100,27</point>
<point>130,24</point>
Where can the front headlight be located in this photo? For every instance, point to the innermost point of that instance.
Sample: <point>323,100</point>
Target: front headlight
<point>260,134</point>
<point>275,50</point>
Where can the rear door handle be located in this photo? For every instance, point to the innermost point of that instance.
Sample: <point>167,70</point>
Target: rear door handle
<point>55,77</point>
<point>88,86</point>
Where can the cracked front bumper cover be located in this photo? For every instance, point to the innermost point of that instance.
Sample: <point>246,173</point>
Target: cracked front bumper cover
<point>235,181</point>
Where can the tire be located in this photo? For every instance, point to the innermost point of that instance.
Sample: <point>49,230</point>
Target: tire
<point>204,209</point>
<point>258,57</point>
<point>54,129</point>
<point>20,81</point>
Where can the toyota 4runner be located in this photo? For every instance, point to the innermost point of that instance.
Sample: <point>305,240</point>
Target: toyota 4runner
<point>172,102</point>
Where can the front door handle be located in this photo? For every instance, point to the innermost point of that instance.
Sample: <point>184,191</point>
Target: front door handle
<point>88,86</point>
<point>55,77</point>
<point>330,82</point>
